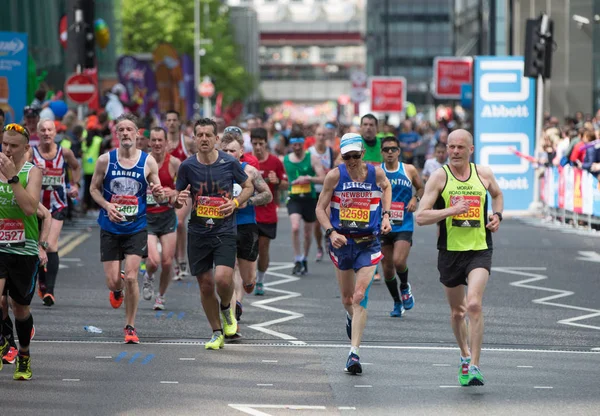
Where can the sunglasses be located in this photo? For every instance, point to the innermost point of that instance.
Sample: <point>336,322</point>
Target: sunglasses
<point>18,128</point>
<point>352,156</point>
<point>233,129</point>
<point>390,149</point>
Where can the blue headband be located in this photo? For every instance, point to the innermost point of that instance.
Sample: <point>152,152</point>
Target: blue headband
<point>295,140</point>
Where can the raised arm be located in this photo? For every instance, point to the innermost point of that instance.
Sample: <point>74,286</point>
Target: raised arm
<point>27,198</point>
<point>331,180</point>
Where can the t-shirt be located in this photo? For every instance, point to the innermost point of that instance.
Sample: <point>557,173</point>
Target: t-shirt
<point>578,152</point>
<point>267,214</point>
<point>250,159</point>
<point>408,138</point>
<point>209,184</point>
<point>431,165</point>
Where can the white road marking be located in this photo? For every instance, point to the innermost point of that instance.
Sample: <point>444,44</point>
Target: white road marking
<point>441,365</point>
<point>73,259</point>
<point>264,384</point>
<point>543,387</point>
<point>589,256</point>
<point>105,357</point>
<point>71,379</point>
<point>252,409</point>
<point>363,386</point>
<point>450,387</point>
<point>269,361</point>
<point>346,408</point>
<point>169,382</point>
<point>595,349</point>
<point>524,366</point>
<point>187,359</point>
<point>534,277</point>
<point>367,363</point>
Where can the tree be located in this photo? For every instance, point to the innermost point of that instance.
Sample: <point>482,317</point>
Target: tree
<point>147,23</point>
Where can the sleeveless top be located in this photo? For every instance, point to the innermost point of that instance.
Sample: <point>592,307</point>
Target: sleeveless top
<point>126,188</point>
<point>245,215</point>
<point>326,160</point>
<point>180,152</point>
<point>355,206</point>
<point>400,218</point>
<point>54,190</point>
<point>166,180</point>
<point>296,169</point>
<point>373,153</point>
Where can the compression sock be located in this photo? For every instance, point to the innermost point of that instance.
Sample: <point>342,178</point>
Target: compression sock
<point>392,286</point>
<point>403,279</point>
<point>24,332</point>
<point>52,272</point>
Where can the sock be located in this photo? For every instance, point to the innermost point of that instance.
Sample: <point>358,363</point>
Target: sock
<point>8,331</point>
<point>298,258</point>
<point>354,350</point>
<point>42,278</point>
<point>129,327</point>
<point>24,331</point>
<point>403,279</point>
<point>218,331</point>
<point>52,268</point>
<point>303,258</point>
<point>392,286</point>
<point>260,276</point>
<point>225,308</point>
<point>465,358</point>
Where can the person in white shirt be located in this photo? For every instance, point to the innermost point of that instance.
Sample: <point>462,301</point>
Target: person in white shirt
<point>440,158</point>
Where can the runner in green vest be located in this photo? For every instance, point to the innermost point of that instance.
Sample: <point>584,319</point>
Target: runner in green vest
<point>90,152</point>
<point>368,131</point>
<point>20,188</point>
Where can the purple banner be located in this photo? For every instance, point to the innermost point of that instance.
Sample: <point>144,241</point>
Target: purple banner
<point>139,80</point>
<point>189,89</point>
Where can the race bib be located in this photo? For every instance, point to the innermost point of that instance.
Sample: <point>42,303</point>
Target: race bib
<point>355,213</point>
<point>126,205</point>
<point>300,189</point>
<point>150,201</point>
<point>207,210</point>
<point>470,218</point>
<point>53,177</point>
<point>397,213</point>
<point>12,232</point>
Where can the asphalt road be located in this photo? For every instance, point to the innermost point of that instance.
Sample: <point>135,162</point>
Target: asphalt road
<point>541,348</point>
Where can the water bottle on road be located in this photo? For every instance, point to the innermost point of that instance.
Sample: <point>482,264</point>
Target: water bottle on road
<point>92,329</point>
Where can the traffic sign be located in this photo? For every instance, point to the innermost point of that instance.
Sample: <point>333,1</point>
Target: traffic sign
<point>388,94</point>
<point>449,74</point>
<point>206,89</point>
<point>80,88</point>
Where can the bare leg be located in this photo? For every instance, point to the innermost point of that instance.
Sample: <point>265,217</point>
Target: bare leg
<point>308,233</point>
<point>210,304</point>
<point>295,221</point>
<point>167,243</point>
<point>359,318</point>
<point>458,310</point>
<point>478,279</point>
<point>132,288</point>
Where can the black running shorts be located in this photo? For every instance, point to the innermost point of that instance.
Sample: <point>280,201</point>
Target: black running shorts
<point>20,273</point>
<point>162,223</point>
<point>205,251</point>
<point>114,247</point>
<point>390,238</point>
<point>305,207</point>
<point>267,230</point>
<point>455,266</point>
<point>247,242</point>
<point>60,214</point>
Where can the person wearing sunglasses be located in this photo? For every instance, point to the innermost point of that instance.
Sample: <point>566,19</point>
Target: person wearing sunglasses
<point>20,186</point>
<point>396,245</point>
<point>354,209</point>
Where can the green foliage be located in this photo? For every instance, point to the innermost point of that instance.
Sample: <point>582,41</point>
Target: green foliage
<point>147,23</point>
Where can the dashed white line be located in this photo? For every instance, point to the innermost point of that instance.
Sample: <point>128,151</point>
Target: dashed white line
<point>441,365</point>
<point>264,384</point>
<point>367,363</point>
<point>71,379</point>
<point>524,366</point>
<point>104,357</point>
<point>169,382</point>
<point>363,386</point>
<point>270,361</point>
<point>543,387</point>
<point>187,359</point>
<point>346,408</point>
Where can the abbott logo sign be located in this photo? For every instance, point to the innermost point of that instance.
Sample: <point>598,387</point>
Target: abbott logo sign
<point>504,119</point>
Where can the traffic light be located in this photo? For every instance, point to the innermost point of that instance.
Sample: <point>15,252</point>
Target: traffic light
<point>539,46</point>
<point>89,41</point>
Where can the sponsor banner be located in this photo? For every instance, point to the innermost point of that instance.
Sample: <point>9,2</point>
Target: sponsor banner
<point>449,74</point>
<point>504,119</point>
<point>577,191</point>
<point>388,94</point>
<point>569,181</point>
<point>596,196</point>
<point>13,75</point>
<point>587,186</point>
<point>139,81</point>
<point>572,189</point>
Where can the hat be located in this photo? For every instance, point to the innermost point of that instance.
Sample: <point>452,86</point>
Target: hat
<point>351,142</point>
<point>30,112</point>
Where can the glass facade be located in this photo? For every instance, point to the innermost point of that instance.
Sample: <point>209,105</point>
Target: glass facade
<point>415,32</point>
<point>596,59</point>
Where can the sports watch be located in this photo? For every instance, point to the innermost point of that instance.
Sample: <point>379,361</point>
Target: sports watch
<point>14,179</point>
<point>44,245</point>
<point>499,214</point>
<point>329,231</point>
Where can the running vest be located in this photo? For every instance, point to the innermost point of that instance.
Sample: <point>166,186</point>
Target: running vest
<point>90,154</point>
<point>467,231</point>
<point>246,215</point>
<point>373,153</point>
<point>126,188</point>
<point>166,180</point>
<point>54,190</point>
<point>355,206</point>
<point>180,152</point>
<point>326,160</point>
<point>18,232</point>
<point>402,192</point>
<point>294,170</point>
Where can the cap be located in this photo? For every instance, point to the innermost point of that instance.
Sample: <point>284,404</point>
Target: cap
<point>30,112</point>
<point>351,142</point>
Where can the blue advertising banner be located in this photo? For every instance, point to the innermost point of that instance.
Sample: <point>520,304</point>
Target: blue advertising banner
<point>504,120</point>
<point>466,96</point>
<point>13,75</point>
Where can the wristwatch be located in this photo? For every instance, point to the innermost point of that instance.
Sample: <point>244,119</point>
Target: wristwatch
<point>329,231</point>
<point>44,245</point>
<point>499,214</point>
<point>418,198</point>
<point>14,179</point>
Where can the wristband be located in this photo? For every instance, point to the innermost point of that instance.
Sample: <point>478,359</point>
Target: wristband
<point>237,204</point>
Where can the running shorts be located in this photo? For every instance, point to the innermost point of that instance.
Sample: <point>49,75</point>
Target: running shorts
<point>114,247</point>
<point>455,266</point>
<point>267,230</point>
<point>247,242</point>
<point>390,238</point>
<point>357,253</point>
<point>162,223</point>
<point>305,207</point>
<point>207,251</point>
<point>20,273</point>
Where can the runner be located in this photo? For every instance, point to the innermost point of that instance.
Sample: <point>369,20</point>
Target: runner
<point>274,175</point>
<point>232,143</point>
<point>181,147</point>
<point>53,161</point>
<point>456,198</point>
<point>208,178</point>
<point>119,187</point>
<point>304,170</point>
<point>433,164</point>
<point>355,192</point>
<point>327,156</point>
<point>20,185</point>
<point>396,245</point>
<point>162,221</point>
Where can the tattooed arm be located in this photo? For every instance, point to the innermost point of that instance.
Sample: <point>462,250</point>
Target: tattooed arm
<point>262,194</point>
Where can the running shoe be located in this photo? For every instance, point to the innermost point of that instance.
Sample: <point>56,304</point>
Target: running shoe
<point>349,326</point>
<point>229,322</point>
<point>48,299</point>
<point>475,376</point>
<point>398,310</point>
<point>297,268</point>
<point>131,336</point>
<point>216,342</point>
<point>41,290</point>
<point>377,278</point>
<point>249,288</point>
<point>4,350</point>
<point>319,255</point>
<point>408,301</point>
<point>463,371</point>
<point>304,269</point>
<point>148,288</point>
<point>353,365</point>
<point>159,303</point>
<point>11,356</point>
<point>116,297</point>
<point>259,290</point>
<point>183,269</point>
<point>176,271</point>
<point>23,368</point>
<point>238,310</point>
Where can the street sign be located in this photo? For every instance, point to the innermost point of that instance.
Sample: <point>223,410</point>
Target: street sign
<point>449,74</point>
<point>388,94</point>
<point>206,89</point>
<point>80,88</point>
<point>358,92</point>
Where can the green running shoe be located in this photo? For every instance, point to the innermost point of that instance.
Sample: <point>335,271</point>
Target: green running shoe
<point>475,376</point>
<point>229,322</point>
<point>23,368</point>
<point>216,342</point>
<point>4,350</point>
<point>463,371</point>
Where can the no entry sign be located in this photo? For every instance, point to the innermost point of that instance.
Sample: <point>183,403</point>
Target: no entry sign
<point>80,88</point>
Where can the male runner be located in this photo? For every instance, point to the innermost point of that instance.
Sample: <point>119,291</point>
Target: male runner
<point>304,170</point>
<point>162,220</point>
<point>208,178</point>
<point>232,143</point>
<point>20,185</point>
<point>53,161</point>
<point>440,158</point>
<point>274,175</point>
<point>395,246</point>
<point>119,187</point>
<point>181,147</point>
<point>327,155</point>
<point>456,198</point>
<point>355,192</point>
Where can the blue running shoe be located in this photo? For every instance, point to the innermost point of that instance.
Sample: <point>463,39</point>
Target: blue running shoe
<point>353,365</point>
<point>398,310</point>
<point>408,301</point>
<point>349,326</point>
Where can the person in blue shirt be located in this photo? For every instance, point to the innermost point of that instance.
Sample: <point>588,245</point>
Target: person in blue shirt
<point>409,141</point>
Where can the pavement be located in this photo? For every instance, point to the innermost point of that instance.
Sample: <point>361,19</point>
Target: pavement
<point>541,346</point>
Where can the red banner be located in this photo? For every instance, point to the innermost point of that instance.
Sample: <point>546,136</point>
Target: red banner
<point>388,94</point>
<point>561,189</point>
<point>450,73</point>
<point>578,192</point>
